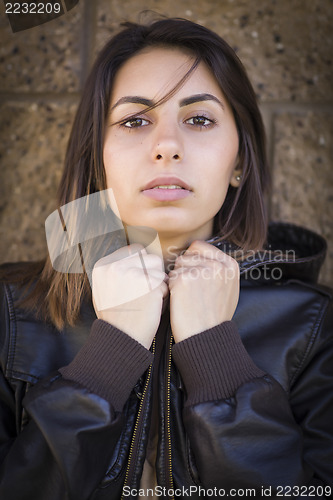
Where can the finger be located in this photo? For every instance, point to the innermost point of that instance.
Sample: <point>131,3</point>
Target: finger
<point>139,260</point>
<point>206,250</point>
<point>195,260</point>
<point>209,251</point>
<point>145,260</point>
<point>151,261</point>
<point>165,290</point>
<point>121,254</point>
<point>191,260</point>
<point>181,271</point>
<point>154,278</point>
<point>157,275</point>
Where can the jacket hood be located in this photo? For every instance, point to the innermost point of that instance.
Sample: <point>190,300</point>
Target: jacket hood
<point>291,252</point>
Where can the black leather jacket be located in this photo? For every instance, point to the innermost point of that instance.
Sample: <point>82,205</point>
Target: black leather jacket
<point>60,440</point>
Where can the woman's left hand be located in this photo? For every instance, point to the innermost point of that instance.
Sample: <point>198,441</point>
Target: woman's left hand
<point>204,290</point>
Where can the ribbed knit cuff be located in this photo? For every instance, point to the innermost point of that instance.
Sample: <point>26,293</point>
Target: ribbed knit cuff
<point>109,364</point>
<point>214,363</point>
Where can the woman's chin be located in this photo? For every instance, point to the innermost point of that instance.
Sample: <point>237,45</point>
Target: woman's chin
<point>174,224</point>
<point>163,226</point>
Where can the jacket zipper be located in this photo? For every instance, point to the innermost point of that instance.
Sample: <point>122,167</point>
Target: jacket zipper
<point>138,425</point>
<point>168,459</point>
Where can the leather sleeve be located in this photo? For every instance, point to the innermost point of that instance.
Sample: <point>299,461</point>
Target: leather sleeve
<point>311,398</point>
<point>71,433</point>
<point>254,434</point>
<point>64,449</point>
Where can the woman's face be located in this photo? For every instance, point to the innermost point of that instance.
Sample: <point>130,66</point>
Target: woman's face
<point>169,168</point>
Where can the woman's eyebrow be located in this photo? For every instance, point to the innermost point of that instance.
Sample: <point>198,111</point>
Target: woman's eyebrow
<point>198,98</point>
<point>133,99</point>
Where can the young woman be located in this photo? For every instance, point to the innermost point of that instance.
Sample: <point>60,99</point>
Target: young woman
<point>213,373</point>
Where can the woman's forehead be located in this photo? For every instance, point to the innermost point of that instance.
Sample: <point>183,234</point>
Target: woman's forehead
<point>156,71</point>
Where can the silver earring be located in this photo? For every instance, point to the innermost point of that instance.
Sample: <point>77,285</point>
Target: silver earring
<point>238,178</point>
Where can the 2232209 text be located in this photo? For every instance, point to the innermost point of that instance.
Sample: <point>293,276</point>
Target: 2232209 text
<point>32,8</point>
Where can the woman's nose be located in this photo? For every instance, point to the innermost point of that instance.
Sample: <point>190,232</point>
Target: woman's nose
<point>166,156</point>
<point>168,146</point>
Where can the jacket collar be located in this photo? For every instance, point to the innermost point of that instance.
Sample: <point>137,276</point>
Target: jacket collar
<point>291,252</point>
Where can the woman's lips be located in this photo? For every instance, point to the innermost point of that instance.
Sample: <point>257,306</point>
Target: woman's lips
<point>166,188</point>
<point>170,193</point>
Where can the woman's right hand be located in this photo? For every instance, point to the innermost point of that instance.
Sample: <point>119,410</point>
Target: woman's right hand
<point>128,288</point>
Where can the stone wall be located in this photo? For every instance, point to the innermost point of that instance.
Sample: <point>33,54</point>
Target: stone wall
<point>286,46</point>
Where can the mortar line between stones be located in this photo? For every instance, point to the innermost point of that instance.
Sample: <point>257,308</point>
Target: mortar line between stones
<point>40,96</point>
<point>88,32</point>
<point>279,107</point>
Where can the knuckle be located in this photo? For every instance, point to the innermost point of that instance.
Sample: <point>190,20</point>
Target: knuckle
<point>154,260</point>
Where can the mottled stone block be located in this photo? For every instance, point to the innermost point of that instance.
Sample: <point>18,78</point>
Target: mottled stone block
<point>32,148</point>
<point>42,59</point>
<point>303,175</point>
<point>286,46</point>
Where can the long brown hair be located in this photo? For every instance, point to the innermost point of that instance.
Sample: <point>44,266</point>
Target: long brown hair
<point>242,220</point>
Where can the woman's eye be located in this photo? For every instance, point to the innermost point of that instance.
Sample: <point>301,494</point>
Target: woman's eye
<point>135,123</point>
<point>200,121</point>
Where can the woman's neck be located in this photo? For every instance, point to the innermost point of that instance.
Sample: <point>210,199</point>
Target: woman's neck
<point>174,246</point>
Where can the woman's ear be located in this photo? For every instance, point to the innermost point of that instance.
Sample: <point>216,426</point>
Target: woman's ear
<point>236,178</point>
